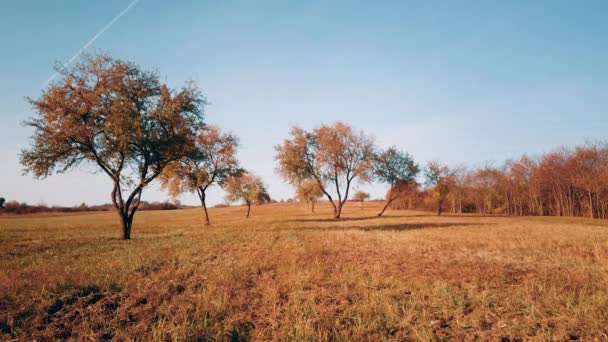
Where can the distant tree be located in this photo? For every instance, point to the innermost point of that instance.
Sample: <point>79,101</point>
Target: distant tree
<point>397,169</point>
<point>361,196</point>
<point>111,114</point>
<point>488,182</point>
<point>460,175</point>
<point>440,178</point>
<point>212,161</point>
<point>309,191</point>
<point>246,188</point>
<point>2,201</point>
<point>329,155</point>
<point>588,163</point>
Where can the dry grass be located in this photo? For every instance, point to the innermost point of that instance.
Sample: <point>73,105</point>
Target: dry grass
<point>286,274</point>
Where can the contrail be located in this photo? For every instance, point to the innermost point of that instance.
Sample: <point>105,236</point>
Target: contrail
<point>92,40</point>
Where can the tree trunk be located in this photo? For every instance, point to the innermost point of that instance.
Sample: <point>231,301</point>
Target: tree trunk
<point>460,201</point>
<point>338,211</point>
<point>385,206</point>
<point>127,223</point>
<point>590,205</point>
<point>203,197</point>
<point>207,222</point>
<point>124,210</point>
<point>390,199</point>
<point>312,206</point>
<point>248,210</point>
<point>453,201</point>
<point>439,207</point>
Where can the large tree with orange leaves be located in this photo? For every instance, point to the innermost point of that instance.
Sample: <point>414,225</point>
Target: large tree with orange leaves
<point>333,156</point>
<point>111,114</point>
<point>211,161</point>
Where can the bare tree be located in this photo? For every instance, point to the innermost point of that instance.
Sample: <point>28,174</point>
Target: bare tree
<point>111,114</point>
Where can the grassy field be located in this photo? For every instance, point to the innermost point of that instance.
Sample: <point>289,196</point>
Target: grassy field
<point>286,274</point>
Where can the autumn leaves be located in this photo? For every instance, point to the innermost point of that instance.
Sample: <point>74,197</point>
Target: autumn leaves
<point>121,120</point>
<point>332,157</point>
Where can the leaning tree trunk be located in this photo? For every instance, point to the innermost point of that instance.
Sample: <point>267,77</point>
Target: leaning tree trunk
<point>390,200</point>
<point>385,206</point>
<point>207,222</point>
<point>203,196</point>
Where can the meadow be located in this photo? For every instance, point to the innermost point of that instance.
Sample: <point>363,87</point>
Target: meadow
<point>288,274</point>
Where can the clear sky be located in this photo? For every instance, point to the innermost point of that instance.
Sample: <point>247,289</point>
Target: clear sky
<point>463,82</point>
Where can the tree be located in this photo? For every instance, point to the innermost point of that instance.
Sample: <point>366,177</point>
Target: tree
<point>488,183</point>
<point>111,114</point>
<point>247,188</point>
<point>361,196</point>
<point>211,161</point>
<point>588,162</point>
<point>409,195</point>
<point>441,179</point>
<point>333,155</point>
<point>460,177</point>
<point>309,192</point>
<point>397,169</point>
<point>2,200</point>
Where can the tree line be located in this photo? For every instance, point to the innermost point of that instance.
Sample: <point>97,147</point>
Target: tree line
<point>120,119</point>
<point>15,207</point>
<point>564,182</point>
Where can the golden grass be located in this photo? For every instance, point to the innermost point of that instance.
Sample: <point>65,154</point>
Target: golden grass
<point>286,274</point>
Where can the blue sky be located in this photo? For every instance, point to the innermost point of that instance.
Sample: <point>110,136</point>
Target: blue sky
<point>463,82</point>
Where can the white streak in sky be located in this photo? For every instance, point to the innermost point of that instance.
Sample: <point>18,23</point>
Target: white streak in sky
<point>92,40</point>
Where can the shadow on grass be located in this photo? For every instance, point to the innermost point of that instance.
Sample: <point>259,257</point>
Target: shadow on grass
<point>349,219</point>
<point>391,227</point>
<point>473,215</point>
